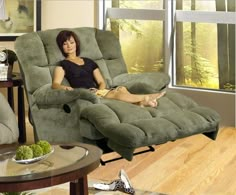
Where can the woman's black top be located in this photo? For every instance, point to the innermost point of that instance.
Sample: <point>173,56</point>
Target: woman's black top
<point>80,76</point>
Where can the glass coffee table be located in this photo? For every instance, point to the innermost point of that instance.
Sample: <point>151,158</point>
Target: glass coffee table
<point>68,163</point>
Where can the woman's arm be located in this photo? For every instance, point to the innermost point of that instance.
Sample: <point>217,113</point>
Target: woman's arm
<point>99,79</point>
<point>58,76</point>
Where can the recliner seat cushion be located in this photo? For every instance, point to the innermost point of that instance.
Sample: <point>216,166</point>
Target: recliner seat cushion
<point>131,126</point>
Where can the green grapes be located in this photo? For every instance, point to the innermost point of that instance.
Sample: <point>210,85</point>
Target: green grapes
<point>24,152</point>
<point>45,146</point>
<point>37,150</point>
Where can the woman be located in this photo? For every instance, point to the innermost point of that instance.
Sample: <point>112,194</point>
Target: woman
<point>82,72</point>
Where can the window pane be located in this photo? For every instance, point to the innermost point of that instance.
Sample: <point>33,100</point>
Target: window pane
<point>205,53</point>
<point>206,5</point>
<point>196,55</point>
<point>137,4</point>
<point>200,5</point>
<point>141,40</point>
<point>142,44</point>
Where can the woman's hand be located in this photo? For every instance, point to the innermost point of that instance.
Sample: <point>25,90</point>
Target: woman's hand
<point>68,88</point>
<point>93,90</point>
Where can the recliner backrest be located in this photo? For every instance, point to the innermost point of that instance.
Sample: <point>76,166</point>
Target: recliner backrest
<point>40,60</point>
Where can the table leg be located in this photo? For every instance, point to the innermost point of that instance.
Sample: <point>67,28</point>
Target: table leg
<point>79,186</point>
<point>21,115</point>
<point>10,97</point>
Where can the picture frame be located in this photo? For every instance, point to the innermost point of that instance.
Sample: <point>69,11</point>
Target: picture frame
<point>19,18</point>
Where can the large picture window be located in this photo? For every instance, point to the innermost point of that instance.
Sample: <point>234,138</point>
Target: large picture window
<point>205,52</point>
<point>202,50</point>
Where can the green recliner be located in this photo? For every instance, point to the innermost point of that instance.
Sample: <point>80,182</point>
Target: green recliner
<point>68,116</point>
<point>9,131</point>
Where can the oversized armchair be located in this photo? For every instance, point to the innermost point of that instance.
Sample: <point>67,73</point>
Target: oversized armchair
<point>68,116</point>
<point>9,131</point>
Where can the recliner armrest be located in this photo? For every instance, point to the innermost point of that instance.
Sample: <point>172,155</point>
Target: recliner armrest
<point>85,94</point>
<point>148,82</point>
<point>45,95</point>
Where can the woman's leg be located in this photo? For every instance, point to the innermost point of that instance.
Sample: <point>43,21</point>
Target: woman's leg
<point>121,93</point>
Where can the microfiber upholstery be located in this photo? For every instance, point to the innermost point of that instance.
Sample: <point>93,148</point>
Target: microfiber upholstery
<point>146,83</point>
<point>9,131</point>
<point>111,53</point>
<point>45,95</point>
<point>129,127</point>
<point>61,116</point>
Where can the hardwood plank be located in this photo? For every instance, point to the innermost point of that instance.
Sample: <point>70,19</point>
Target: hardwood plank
<point>201,166</point>
<point>193,165</point>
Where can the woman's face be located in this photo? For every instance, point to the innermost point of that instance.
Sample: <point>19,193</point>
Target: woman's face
<point>69,46</point>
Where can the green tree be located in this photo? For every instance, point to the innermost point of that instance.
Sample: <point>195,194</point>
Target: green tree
<point>231,38</point>
<point>115,24</point>
<point>195,73</point>
<point>226,47</point>
<point>180,77</point>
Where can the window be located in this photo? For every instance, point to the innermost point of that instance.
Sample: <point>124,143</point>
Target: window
<point>141,35</point>
<point>142,44</point>
<point>205,44</point>
<point>202,54</point>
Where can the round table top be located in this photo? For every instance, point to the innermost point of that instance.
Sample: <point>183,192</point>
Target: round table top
<point>68,162</point>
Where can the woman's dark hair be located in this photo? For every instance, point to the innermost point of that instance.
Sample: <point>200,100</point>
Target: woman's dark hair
<point>65,35</point>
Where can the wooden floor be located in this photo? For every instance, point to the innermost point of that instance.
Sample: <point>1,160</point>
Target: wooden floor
<point>191,166</point>
<point>195,165</point>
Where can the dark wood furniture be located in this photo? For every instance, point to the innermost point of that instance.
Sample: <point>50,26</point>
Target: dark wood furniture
<point>16,81</point>
<point>68,163</point>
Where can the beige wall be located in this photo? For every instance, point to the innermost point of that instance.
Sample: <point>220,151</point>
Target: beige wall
<point>59,14</point>
<point>67,13</point>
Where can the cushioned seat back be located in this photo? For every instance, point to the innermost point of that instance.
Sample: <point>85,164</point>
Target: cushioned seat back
<point>39,60</point>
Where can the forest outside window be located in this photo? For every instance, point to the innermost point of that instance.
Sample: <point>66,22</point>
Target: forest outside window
<point>203,47</point>
<point>205,50</point>
<point>140,35</point>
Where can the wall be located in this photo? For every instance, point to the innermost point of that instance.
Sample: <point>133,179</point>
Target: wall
<point>67,13</point>
<point>58,14</point>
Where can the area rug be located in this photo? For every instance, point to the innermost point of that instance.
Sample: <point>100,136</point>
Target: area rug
<point>63,189</point>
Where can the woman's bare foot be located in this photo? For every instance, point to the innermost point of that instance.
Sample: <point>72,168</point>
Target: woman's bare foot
<point>149,102</point>
<point>157,95</point>
<point>153,103</point>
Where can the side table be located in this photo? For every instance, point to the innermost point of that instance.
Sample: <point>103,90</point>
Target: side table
<point>68,163</point>
<point>16,81</point>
